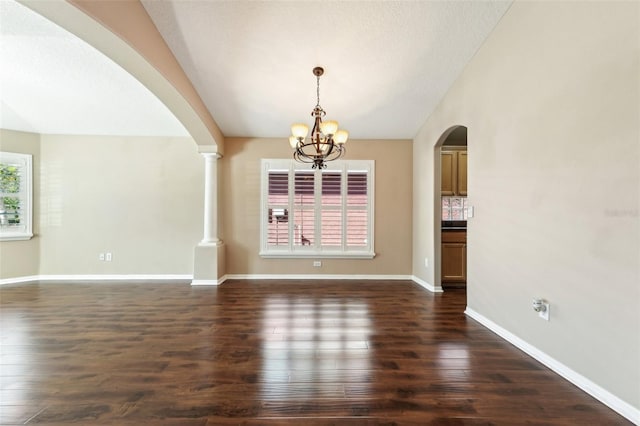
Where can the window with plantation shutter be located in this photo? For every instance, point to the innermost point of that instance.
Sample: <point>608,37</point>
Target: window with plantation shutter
<point>317,213</point>
<point>15,196</point>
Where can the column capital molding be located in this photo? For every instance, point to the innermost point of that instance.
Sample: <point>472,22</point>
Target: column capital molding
<point>209,151</point>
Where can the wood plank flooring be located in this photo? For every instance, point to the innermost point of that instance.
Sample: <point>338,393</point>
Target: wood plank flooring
<point>267,353</point>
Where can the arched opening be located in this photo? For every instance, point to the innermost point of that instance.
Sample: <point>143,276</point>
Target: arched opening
<point>450,209</point>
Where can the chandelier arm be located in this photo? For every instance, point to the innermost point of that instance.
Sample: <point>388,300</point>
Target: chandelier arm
<point>302,157</point>
<point>315,131</point>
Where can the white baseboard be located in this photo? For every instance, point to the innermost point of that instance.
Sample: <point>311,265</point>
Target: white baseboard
<point>156,278</point>
<point>18,280</point>
<point>623,408</point>
<point>209,282</point>
<point>314,277</point>
<point>431,288</point>
<point>98,277</point>
<point>117,277</point>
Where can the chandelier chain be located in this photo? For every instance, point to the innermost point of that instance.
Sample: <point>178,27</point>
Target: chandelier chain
<point>318,90</point>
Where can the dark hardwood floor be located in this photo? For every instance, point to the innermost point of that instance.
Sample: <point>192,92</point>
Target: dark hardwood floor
<point>267,353</point>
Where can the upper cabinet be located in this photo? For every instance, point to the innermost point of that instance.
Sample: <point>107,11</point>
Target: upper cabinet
<point>462,173</point>
<point>453,165</point>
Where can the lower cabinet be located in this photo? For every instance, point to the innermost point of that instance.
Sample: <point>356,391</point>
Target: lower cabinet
<point>454,258</point>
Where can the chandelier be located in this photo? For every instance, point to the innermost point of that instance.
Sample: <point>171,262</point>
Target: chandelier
<point>326,142</point>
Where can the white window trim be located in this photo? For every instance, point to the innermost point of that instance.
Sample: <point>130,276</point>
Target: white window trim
<point>297,252</point>
<point>25,231</point>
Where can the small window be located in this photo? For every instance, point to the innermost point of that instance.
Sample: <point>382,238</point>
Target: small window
<point>317,213</point>
<point>15,196</point>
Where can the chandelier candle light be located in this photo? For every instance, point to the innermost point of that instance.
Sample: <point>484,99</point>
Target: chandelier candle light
<point>326,142</point>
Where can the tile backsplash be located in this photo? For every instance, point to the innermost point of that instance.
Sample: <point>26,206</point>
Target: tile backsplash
<point>454,208</point>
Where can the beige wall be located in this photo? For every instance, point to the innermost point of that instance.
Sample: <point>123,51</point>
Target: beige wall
<point>552,105</point>
<point>241,209</point>
<point>138,198</point>
<point>21,258</point>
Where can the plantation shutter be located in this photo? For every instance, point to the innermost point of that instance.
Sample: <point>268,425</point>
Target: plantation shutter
<point>331,210</point>
<point>278,209</point>
<point>357,209</point>
<point>304,205</point>
<point>323,212</point>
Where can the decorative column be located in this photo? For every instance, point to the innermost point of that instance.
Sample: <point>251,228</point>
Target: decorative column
<point>210,236</point>
<point>209,260</point>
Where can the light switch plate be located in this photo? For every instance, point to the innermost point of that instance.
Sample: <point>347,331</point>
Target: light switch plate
<point>470,212</point>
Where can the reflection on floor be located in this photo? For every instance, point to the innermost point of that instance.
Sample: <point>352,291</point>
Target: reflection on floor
<point>267,353</point>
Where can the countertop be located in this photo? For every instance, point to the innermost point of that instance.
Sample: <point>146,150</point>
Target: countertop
<point>454,225</point>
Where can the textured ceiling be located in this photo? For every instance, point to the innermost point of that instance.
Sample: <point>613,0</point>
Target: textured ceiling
<point>388,64</point>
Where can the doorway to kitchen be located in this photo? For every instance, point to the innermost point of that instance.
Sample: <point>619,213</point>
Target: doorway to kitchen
<point>451,210</point>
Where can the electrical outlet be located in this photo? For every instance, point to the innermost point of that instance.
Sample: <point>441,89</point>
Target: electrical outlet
<point>541,306</point>
<point>317,263</point>
<point>101,257</point>
<point>426,262</point>
<point>108,257</point>
<point>544,314</point>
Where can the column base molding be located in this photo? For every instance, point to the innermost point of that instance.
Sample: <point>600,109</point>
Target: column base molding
<point>216,243</point>
<point>209,263</point>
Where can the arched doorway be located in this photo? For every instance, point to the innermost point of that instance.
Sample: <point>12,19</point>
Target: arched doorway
<point>450,209</point>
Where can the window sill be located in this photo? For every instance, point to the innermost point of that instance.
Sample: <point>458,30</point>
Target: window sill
<point>15,237</point>
<point>317,255</point>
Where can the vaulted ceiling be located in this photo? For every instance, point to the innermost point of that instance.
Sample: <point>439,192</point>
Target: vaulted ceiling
<point>51,82</point>
<point>387,65</point>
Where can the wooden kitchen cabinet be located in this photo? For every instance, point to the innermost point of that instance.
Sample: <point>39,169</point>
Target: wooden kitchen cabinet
<point>453,166</point>
<point>461,173</point>
<point>448,169</point>
<point>454,258</point>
